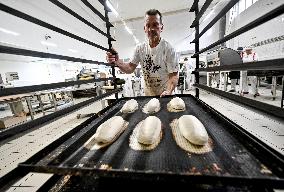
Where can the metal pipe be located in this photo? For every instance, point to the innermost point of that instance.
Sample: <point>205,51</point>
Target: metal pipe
<point>275,64</point>
<point>196,51</point>
<point>74,14</point>
<point>41,23</point>
<point>110,48</point>
<point>270,109</point>
<point>201,12</point>
<point>34,88</point>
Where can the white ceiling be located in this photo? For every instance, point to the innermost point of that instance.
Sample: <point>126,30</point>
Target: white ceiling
<point>129,9</point>
<point>176,17</point>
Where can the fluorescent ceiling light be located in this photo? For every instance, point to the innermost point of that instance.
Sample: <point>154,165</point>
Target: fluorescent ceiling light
<point>9,32</point>
<point>73,50</point>
<point>111,8</point>
<point>128,30</point>
<point>6,43</point>
<point>48,44</point>
<point>135,39</point>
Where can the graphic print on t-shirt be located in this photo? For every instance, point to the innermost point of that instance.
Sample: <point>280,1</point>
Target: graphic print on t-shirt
<point>152,81</point>
<point>150,65</point>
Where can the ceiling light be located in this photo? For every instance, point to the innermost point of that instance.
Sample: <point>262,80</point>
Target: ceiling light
<point>9,32</point>
<point>73,50</point>
<point>135,39</point>
<point>111,8</point>
<point>15,45</point>
<point>128,30</point>
<point>48,44</point>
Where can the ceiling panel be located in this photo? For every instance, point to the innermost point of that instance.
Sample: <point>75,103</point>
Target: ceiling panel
<point>128,9</point>
<point>176,24</point>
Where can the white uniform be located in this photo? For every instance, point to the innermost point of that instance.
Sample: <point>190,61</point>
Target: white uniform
<point>190,78</point>
<point>156,64</point>
<point>244,78</point>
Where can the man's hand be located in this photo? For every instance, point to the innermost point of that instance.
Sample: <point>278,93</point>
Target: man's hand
<point>112,56</point>
<point>165,93</point>
<point>171,84</point>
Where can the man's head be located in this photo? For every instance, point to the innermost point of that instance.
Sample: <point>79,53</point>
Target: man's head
<point>248,50</point>
<point>153,25</point>
<point>185,59</point>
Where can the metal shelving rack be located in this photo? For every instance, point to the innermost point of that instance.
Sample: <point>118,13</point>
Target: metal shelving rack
<point>276,64</point>
<point>9,132</point>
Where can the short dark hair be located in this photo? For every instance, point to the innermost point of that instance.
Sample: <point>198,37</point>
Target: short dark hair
<point>154,12</point>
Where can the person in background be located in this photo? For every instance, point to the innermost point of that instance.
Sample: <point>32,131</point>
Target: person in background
<point>190,78</point>
<point>235,75</point>
<point>158,59</point>
<point>249,56</point>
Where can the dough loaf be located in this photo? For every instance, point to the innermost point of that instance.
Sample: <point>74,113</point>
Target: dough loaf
<point>192,129</point>
<point>130,106</point>
<point>153,106</point>
<point>149,131</point>
<point>177,103</point>
<point>109,130</point>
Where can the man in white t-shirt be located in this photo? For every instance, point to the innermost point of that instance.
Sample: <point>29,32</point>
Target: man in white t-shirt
<point>158,59</point>
<point>190,77</point>
<point>249,56</point>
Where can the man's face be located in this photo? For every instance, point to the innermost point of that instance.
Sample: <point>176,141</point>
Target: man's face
<point>153,27</point>
<point>248,51</point>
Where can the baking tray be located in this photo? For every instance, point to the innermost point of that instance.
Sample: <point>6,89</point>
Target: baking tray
<point>237,158</point>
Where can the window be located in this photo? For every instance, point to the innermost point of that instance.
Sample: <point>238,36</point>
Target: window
<point>248,3</point>
<point>238,8</point>
<point>242,5</point>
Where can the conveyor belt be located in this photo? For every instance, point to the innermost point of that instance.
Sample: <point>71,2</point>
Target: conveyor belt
<point>237,158</point>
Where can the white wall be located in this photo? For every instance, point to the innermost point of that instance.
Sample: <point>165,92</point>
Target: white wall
<point>41,71</point>
<point>37,70</point>
<point>32,73</point>
<point>270,29</point>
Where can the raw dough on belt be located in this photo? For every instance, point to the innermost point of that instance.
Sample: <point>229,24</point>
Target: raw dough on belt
<point>177,103</point>
<point>192,129</point>
<point>130,106</point>
<point>109,130</point>
<point>149,131</point>
<point>153,106</point>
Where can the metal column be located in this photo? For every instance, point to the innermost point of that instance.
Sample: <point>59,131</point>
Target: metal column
<point>197,50</point>
<point>110,47</point>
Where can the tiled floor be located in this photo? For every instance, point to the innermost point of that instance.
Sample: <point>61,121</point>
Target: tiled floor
<point>268,129</point>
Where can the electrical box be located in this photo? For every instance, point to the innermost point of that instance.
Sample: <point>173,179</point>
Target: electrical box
<point>11,76</point>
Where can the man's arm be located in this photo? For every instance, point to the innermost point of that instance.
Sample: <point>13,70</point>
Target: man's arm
<point>112,57</point>
<point>125,67</point>
<point>172,84</point>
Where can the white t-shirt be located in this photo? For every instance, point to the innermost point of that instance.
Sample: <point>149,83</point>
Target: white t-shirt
<point>189,65</point>
<point>156,64</point>
<point>249,58</point>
